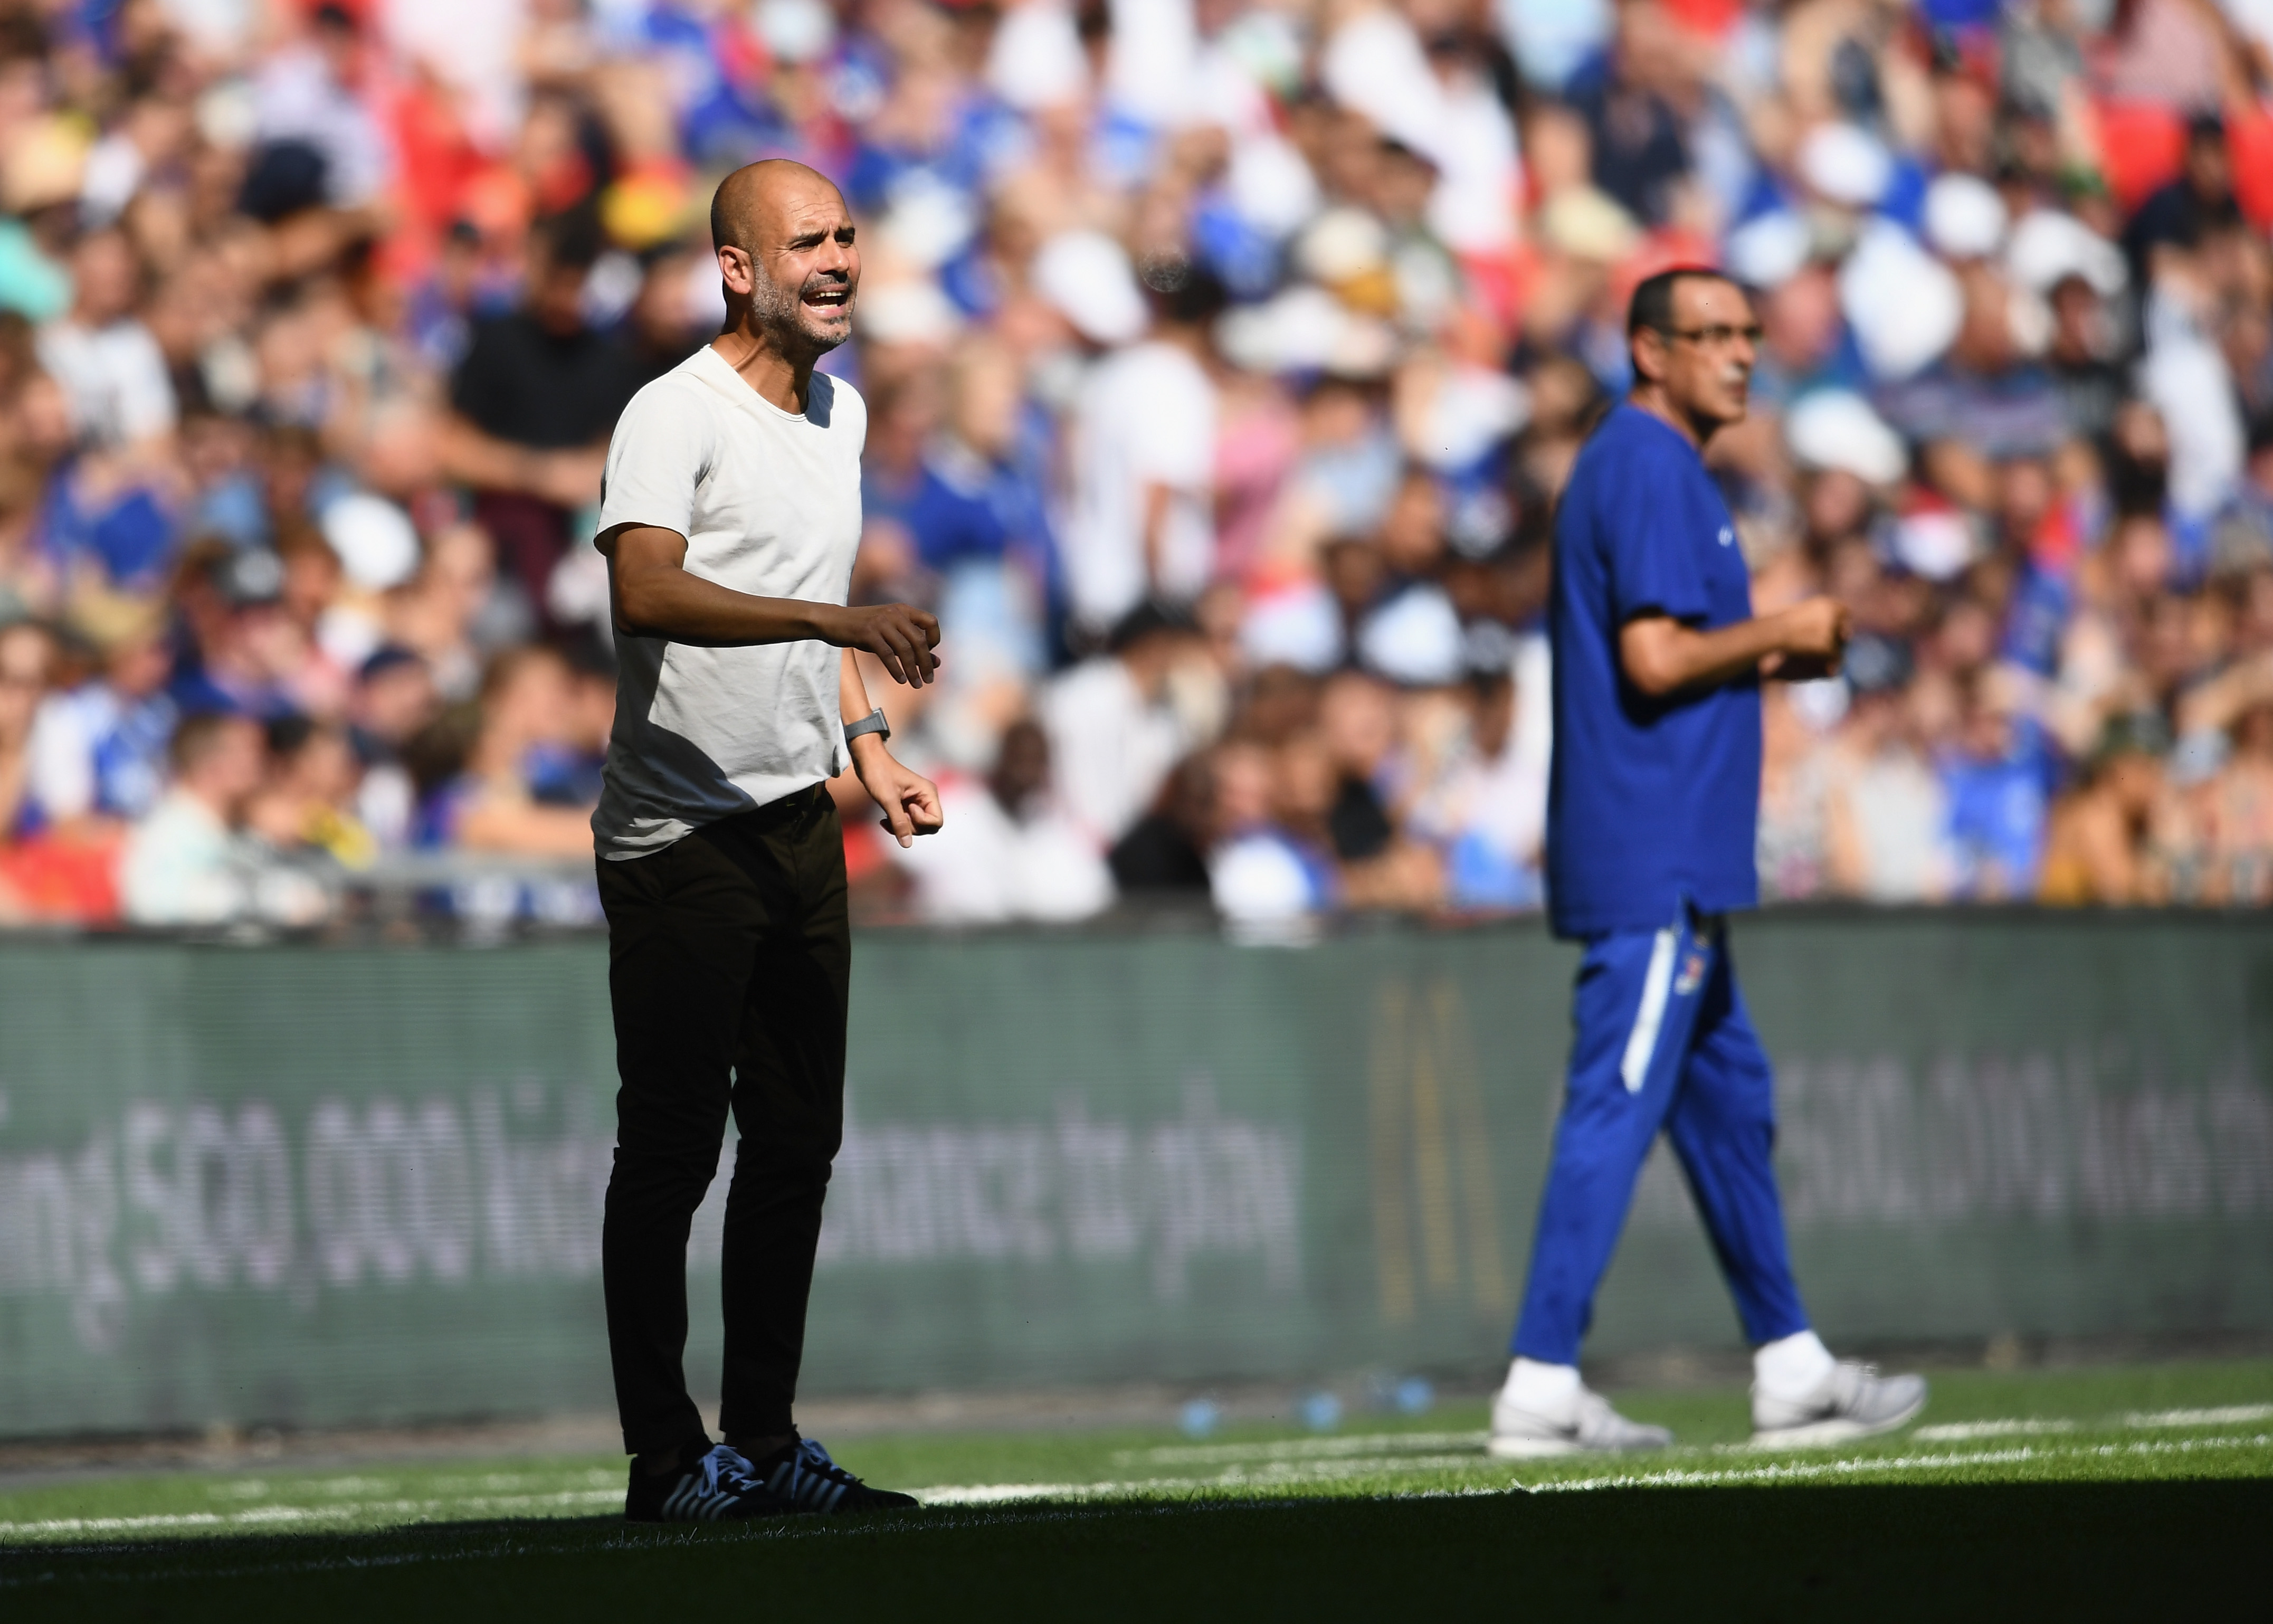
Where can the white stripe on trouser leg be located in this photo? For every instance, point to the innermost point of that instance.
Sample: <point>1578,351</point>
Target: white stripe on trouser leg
<point>1641,1042</point>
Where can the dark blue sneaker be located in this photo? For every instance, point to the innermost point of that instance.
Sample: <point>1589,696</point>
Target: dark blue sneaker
<point>717,1488</point>
<point>801,1477</point>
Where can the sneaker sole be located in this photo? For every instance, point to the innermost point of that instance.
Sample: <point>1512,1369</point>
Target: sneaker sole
<point>1841,1430</point>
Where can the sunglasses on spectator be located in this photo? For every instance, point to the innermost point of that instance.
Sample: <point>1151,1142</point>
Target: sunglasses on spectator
<point>1714,337</point>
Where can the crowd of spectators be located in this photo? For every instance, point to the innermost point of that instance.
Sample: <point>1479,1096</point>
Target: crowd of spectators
<point>1224,359</point>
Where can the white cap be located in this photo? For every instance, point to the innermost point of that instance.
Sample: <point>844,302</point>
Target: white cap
<point>1904,305</point>
<point>927,220</point>
<point>1768,249</point>
<point>1301,627</point>
<point>376,545</point>
<point>1271,184</point>
<point>1836,429</point>
<point>1470,409</point>
<point>1086,275</point>
<point>1036,60</point>
<point>912,310</point>
<point>1588,224</point>
<point>795,30</point>
<point>1846,164</point>
<point>2049,247</point>
<point>1341,244</point>
<point>1304,329</point>
<point>1415,639</point>
<point>1964,217</point>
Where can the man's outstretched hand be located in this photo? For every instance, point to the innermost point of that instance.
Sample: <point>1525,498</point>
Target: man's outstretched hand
<point>910,800</point>
<point>900,635</point>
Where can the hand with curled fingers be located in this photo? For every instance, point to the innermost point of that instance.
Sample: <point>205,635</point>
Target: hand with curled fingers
<point>900,635</point>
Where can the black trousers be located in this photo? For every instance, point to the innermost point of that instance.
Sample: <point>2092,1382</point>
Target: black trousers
<point>727,959</point>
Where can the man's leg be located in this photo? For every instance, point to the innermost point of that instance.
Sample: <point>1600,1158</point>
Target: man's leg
<point>1722,1125</point>
<point>789,1105</point>
<point>1634,1007</point>
<point>1633,1012</point>
<point>683,925</point>
<point>1723,1128</point>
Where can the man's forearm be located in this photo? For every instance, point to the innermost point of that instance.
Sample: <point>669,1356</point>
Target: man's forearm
<point>686,608</point>
<point>654,595</point>
<point>1671,657</point>
<point>565,478</point>
<point>851,690</point>
<point>468,454</point>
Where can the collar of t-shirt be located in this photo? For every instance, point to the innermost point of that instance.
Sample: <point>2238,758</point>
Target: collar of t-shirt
<point>718,371</point>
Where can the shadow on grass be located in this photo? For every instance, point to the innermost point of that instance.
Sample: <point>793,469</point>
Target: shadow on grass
<point>1954,1551</point>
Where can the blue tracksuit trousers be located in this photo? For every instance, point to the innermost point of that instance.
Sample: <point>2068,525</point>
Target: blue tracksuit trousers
<point>1662,1041</point>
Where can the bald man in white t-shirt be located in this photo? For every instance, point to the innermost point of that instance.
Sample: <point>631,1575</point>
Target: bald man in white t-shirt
<point>730,517</point>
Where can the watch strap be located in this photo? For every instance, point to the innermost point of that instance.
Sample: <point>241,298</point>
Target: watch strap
<point>871,722</point>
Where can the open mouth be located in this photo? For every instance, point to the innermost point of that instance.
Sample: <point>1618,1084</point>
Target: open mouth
<point>828,299</point>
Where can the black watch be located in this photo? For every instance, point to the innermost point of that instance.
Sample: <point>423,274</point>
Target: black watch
<point>871,722</point>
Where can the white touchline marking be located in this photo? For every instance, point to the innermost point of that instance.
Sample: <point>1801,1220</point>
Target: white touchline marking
<point>1005,1494</point>
<point>1854,1465</point>
<point>270,1516</point>
<point>1682,1477</point>
<point>1299,1448</point>
<point>2229,1415</point>
<point>1965,1432</point>
<point>1290,1463</point>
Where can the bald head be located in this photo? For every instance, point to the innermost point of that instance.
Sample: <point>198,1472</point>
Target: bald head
<point>785,242</point>
<point>735,206</point>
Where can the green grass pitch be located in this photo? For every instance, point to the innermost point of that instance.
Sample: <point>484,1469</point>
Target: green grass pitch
<point>2096,1493</point>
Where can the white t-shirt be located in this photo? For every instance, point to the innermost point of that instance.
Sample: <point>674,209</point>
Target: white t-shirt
<point>986,866</point>
<point>769,504</point>
<point>115,378</point>
<point>1112,747</point>
<point>1146,416</point>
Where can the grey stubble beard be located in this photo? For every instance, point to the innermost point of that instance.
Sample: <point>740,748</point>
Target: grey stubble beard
<point>779,312</point>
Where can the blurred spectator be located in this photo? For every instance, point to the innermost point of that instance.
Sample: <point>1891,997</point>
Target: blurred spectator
<point>394,700</point>
<point>1142,446</point>
<point>107,364</point>
<point>1357,721</point>
<point>1886,815</point>
<point>495,802</point>
<point>1112,734</point>
<point>317,142</point>
<point>533,402</point>
<point>456,612</point>
<point>191,861</point>
<point>2111,842</point>
<point>309,798</point>
<point>2238,811</point>
<point>246,653</point>
<point>1163,858</point>
<point>99,750</point>
<point>1011,855</point>
<point>26,653</point>
<point>1489,813</point>
<point>1263,872</point>
<point>1993,778</point>
<point>1794,837</point>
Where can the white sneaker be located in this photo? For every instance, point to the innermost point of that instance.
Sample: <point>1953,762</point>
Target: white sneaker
<point>1588,1424</point>
<point>1854,1400</point>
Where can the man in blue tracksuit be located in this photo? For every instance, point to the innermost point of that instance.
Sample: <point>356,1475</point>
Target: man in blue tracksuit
<point>1654,794</point>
